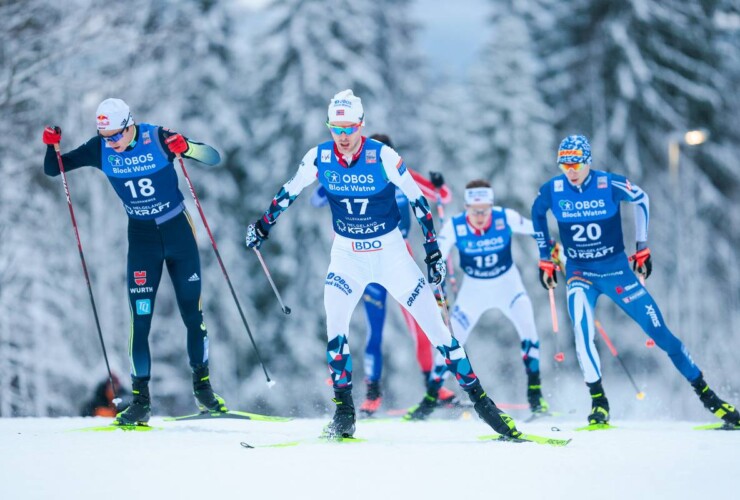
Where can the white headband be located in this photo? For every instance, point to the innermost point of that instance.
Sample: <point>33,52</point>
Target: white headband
<point>477,195</point>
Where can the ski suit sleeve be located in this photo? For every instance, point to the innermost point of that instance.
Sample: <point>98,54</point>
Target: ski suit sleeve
<point>540,207</point>
<point>428,189</point>
<point>446,239</point>
<point>196,150</point>
<point>319,198</point>
<point>518,223</point>
<point>396,172</point>
<point>87,155</point>
<point>304,177</point>
<point>624,190</point>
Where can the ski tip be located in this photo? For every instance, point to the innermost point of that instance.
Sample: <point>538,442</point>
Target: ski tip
<point>595,427</point>
<point>717,426</point>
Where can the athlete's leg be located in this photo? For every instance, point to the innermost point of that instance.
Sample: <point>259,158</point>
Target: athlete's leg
<point>582,297</point>
<point>144,271</point>
<point>183,265</point>
<point>424,349</point>
<point>634,299</point>
<point>374,301</point>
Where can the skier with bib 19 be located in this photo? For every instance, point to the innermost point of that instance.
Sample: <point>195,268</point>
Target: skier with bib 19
<point>483,237</point>
<point>360,176</point>
<point>585,203</point>
<point>138,161</point>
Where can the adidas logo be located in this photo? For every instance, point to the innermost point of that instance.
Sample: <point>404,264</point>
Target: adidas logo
<point>194,277</point>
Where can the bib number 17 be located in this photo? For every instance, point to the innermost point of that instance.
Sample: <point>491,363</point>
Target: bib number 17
<point>357,201</point>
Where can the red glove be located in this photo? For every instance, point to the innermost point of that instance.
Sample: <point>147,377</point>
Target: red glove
<point>642,263</point>
<point>52,135</point>
<point>548,278</point>
<point>177,144</point>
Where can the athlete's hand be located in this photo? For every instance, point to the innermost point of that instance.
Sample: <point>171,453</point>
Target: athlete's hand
<point>52,135</point>
<point>436,179</point>
<point>642,263</point>
<point>177,144</point>
<point>548,278</point>
<point>557,256</point>
<point>436,268</point>
<point>257,233</point>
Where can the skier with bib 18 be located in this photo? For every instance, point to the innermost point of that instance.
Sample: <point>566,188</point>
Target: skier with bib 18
<point>360,176</point>
<point>137,159</point>
<point>585,203</point>
<point>483,237</point>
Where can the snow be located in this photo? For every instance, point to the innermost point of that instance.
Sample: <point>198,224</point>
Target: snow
<point>48,458</point>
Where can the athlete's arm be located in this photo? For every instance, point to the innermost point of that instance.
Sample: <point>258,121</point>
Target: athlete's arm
<point>624,190</point>
<point>539,220</point>
<point>518,223</point>
<point>87,155</point>
<point>304,177</point>
<point>446,238</point>
<point>396,172</point>
<point>196,150</point>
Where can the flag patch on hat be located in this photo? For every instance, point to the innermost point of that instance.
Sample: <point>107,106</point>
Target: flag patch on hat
<point>340,112</point>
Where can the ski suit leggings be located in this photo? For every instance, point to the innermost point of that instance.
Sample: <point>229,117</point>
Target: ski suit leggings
<point>615,279</point>
<point>151,246</point>
<point>391,266</point>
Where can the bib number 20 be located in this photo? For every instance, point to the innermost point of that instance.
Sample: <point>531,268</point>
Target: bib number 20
<point>584,233</point>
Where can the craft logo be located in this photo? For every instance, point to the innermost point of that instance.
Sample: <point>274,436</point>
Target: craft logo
<point>140,277</point>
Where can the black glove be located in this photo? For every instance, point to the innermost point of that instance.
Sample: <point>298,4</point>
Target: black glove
<point>642,262</point>
<point>257,233</point>
<point>437,180</point>
<point>436,268</point>
<point>548,274</point>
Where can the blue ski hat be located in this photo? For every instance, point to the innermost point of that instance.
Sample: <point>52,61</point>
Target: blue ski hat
<point>574,149</point>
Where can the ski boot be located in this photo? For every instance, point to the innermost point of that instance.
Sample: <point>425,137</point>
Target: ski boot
<point>599,404</point>
<point>713,403</point>
<point>537,403</point>
<point>343,423</point>
<point>425,408</point>
<point>447,398</point>
<point>205,398</point>
<point>491,414</point>
<point>373,399</point>
<point>140,409</point>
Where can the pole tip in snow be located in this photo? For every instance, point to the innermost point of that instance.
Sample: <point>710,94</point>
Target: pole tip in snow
<point>286,310</point>
<point>270,383</point>
<point>640,395</point>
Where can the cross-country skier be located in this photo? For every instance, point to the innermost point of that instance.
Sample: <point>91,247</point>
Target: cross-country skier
<point>138,161</point>
<point>360,176</point>
<point>483,236</point>
<point>374,297</point>
<point>585,203</point>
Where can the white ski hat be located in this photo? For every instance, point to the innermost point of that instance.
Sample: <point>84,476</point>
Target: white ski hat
<point>113,114</point>
<point>479,195</point>
<point>346,107</point>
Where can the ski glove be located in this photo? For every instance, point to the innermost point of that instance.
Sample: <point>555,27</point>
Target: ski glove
<point>642,263</point>
<point>257,233</point>
<point>436,268</point>
<point>548,278</point>
<point>52,135</point>
<point>177,144</point>
<point>437,179</point>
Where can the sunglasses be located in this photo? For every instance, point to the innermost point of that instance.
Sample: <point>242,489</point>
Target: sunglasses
<point>479,212</point>
<point>576,167</point>
<point>347,130</point>
<point>115,137</point>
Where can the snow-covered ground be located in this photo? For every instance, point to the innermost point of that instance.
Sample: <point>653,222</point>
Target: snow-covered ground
<point>49,458</point>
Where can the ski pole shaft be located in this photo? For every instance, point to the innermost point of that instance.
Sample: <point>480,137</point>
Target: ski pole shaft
<point>116,399</point>
<point>285,308</point>
<point>559,355</point>
<point>443,306</point>
<point>613,350</point>
<point>450,266</point>
<point>270,382</point>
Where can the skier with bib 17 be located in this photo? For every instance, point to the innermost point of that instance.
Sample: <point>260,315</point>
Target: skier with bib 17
<point>483,237</point>
<point>138,161</point>
<point>360,176</point>
<point>585,203</point>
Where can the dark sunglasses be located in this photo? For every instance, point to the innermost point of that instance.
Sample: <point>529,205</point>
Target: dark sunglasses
<point>115,137</point>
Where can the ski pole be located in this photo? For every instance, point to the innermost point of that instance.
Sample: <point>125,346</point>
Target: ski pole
<point>450,267</point>
<point>285,308</point>
<point>443,306</point>
<point>613,350</point>
<point>270,382</point>
<point>560,355</point>
<point>116,399</point>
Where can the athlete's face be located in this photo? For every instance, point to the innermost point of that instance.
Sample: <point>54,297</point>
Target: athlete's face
<point>347,136</point>
<point>575,172</point>
<point>118,139</point>
<point>479,214</point>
